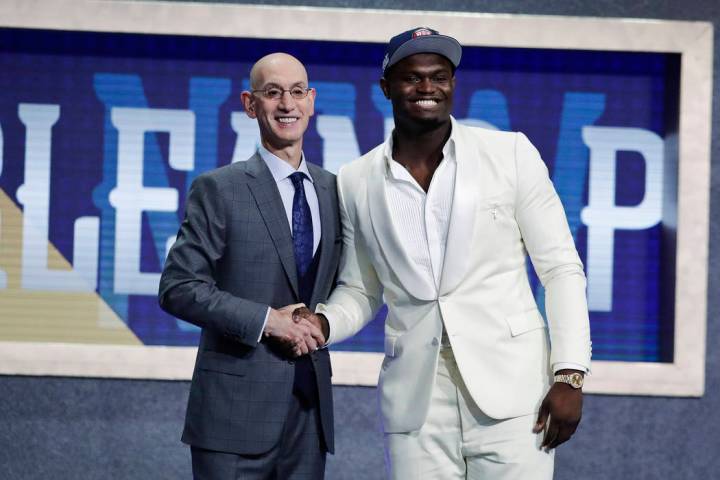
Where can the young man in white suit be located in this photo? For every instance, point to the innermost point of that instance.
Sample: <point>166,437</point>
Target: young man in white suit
<point>437,222</point>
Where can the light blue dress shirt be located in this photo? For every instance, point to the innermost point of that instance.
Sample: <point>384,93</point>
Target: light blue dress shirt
<point>281,171</point>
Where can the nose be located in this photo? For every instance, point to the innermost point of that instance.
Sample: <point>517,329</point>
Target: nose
<point>425,85</point>
<point>286,102</point>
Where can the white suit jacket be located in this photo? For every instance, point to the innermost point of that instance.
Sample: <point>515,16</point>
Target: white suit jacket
<point>504,207</point>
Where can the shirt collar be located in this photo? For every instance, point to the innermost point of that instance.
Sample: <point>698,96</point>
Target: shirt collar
<point>279,168</point>
<point>393,168</point>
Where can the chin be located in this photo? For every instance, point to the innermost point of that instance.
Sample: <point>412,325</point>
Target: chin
<point>430,120</point>
<point>287,135</point>
<point>283,141</point>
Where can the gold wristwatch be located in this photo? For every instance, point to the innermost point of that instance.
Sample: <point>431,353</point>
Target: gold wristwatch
<point>574,379</point>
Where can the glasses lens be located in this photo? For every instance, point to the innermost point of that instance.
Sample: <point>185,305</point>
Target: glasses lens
<point>273,93</point>
<point>298,92</point>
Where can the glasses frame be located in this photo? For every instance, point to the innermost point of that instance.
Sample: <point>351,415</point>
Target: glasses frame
<point>264,92</point>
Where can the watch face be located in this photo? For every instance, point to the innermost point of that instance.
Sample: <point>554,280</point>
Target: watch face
<point>576,380</point>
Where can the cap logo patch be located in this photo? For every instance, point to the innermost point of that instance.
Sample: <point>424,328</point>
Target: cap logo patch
<point>421,32</point>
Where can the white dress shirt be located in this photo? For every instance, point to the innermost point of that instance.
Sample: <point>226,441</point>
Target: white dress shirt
<point>281,171</point>
<point>422,219</point>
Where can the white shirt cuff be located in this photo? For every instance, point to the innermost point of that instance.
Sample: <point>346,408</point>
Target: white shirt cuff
<point>267,314</point>
<point>570,366</point>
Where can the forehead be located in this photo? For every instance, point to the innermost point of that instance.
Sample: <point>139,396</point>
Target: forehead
<point>282,72</point>
<point>423,61</point>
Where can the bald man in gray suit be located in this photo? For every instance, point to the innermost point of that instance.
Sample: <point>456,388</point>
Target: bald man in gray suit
<point>259,235</point>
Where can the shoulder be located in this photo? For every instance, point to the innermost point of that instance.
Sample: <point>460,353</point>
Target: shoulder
<point>487,137</point>
<point>358,169</point>
<point>222,181</point>
<point>499,145</point>
<point>319,174</point>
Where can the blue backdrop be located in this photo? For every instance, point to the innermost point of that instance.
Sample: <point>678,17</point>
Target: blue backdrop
<point>100,428</point>
<point>550,95</point>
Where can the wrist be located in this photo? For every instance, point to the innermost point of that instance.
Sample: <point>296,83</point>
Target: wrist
<point>271,323</point>
<point>572,378</point>
<point>324,325</point>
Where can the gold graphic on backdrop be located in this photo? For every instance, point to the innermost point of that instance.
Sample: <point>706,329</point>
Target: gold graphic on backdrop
<point>44,316</point>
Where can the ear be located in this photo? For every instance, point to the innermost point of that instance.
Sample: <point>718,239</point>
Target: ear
<point>312,94</point>
<point>385,87</point>
<point>249,103</point>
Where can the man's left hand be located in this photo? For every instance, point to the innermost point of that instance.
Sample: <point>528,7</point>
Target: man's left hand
<point>559,414</point>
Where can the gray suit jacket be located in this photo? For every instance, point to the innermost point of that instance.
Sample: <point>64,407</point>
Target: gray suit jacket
<point>233,258</point>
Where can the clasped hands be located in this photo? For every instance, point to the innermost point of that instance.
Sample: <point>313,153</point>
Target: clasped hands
<point>295,329</point>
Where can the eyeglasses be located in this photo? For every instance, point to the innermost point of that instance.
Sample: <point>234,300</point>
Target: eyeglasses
<point>276,93</point>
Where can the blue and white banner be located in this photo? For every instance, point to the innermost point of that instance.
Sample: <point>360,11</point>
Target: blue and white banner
<point>101,134</point>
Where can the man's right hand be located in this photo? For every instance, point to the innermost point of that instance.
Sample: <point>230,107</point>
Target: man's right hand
<point>303,313</point>
<point>295,338</point>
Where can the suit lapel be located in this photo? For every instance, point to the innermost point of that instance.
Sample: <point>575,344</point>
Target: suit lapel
<point>396,256</point>
<point>264,190</point>
<point>328,225</point>
<point>461,227</point>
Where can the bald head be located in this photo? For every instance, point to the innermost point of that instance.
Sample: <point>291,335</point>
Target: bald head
<point>270,65</point>
<point>282,102</point>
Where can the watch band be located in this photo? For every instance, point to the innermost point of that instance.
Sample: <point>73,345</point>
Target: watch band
<point>575,380</point>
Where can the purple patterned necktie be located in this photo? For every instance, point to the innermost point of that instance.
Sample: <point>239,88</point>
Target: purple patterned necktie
<point>302,227</point>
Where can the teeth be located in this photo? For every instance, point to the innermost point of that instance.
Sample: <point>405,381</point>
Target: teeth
<point>426,103</point>
<point>287,119</point>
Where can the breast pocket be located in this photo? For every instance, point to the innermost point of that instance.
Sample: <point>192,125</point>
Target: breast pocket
<point>496,223</point>
<point>497,207</point>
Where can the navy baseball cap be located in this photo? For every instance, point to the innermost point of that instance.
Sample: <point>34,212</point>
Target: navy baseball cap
<point>421,40</point>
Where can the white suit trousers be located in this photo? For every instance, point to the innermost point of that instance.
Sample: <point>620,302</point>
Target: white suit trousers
<point>458,441</point>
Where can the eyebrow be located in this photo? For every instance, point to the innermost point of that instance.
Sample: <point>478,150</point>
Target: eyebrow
<point>275,85</point>
<point>428,71</point>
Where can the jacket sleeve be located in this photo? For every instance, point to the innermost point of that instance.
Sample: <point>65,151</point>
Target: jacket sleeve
<point>188,286</point>
<point>548,240</point>
<point>358,294</point>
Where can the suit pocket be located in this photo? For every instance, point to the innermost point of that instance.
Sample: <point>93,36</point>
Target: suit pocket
<point>497,210</point>
<point>524,322</point>
<point>219,362</point>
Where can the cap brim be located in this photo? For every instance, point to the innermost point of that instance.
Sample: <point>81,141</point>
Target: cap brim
<point>443,45</point>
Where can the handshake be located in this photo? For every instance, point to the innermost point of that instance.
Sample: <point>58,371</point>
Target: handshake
<point>296,330</point>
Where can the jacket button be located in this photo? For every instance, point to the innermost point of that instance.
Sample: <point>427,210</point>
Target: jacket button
<point>435,342</point>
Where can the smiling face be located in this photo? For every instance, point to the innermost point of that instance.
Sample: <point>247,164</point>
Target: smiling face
<point>282,121</point>
<point>421,89</point>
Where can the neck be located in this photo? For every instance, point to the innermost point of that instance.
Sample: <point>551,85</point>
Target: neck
<point>420,151</point>
<point>292,154</point>
<point>420,145</point>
